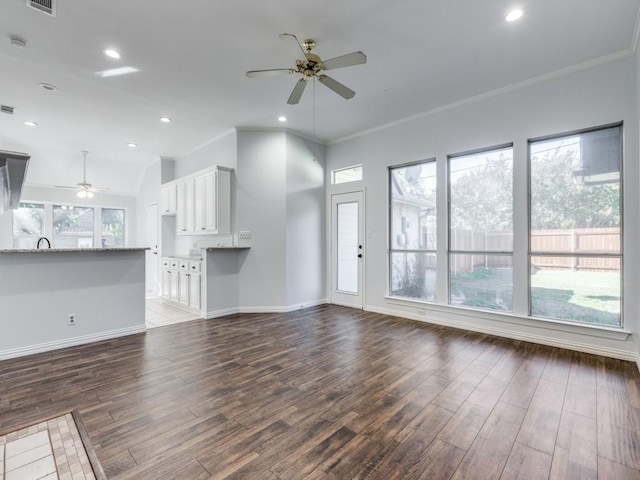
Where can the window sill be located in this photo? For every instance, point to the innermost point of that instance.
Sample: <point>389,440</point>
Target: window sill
<point>612,333</point>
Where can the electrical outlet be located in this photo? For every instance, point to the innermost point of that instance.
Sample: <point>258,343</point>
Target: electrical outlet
<point>421,311</point>
<point>245,235</point>
<point>72,319</point>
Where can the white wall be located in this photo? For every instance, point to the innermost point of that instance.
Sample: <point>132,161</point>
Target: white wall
<point>600,95</point>
<point>148,192</point>
<point>305,222</point>
<point>105,291</point>
<point>220,151</point>
<point>262,209</point>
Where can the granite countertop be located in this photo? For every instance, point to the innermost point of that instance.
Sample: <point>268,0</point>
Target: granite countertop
<point>72,250</point>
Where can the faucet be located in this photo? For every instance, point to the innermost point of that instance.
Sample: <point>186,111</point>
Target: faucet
<point>43,238</point>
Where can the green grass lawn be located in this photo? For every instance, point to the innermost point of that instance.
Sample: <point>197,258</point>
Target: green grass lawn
<point>583,296</point>
<point>579,296</point>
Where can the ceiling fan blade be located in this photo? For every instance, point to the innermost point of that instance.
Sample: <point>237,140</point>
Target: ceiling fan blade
<point>291,39</point>
<point>354,58</point>
<point>269,73</point>
<point>294,98</point>
<point>97,189</point>
<point>336,86</point>
<point>65,187</point>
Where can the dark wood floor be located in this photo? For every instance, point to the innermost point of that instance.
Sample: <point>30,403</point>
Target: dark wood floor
<point>335,393</point>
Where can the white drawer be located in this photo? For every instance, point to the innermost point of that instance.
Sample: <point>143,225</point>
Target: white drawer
<point>166,262</point>
<point>194,267</point>
<point>183,265</point>
<point>174,263</point>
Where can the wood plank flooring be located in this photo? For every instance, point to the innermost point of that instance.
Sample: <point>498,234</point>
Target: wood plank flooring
<point>334,393</point>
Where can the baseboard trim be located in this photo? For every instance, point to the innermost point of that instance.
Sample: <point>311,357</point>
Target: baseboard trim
<point>221,313</point>
<point>501,332</point>
<point>70,342</point>
<point>286,309</point>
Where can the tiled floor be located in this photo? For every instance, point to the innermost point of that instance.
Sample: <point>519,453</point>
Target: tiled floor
<point>50,450</point>
<point>159,314</point>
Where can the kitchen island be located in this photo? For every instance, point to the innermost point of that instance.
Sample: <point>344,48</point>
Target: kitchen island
<point>102,289</point>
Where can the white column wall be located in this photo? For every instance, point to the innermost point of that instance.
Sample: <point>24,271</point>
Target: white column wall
<point>305,223</point>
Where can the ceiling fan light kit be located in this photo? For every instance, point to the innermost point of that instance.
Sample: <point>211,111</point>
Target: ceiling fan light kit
<point>312,67</point>
<point>84,189</point>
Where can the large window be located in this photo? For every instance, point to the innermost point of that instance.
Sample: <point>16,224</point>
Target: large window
<point>575,227</point>
<point>73,227</point>
<point>68,226</point>
<point>413,230</point>
<point>481,229</point>
<point>28,225</point>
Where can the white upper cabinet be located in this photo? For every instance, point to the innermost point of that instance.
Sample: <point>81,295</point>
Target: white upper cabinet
<point>203,202</point>
<point>168,199</point>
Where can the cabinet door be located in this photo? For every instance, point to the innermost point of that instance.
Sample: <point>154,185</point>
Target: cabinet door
<point>199,204</point>
<point>173,294</point>
<point>181,215</point>
<point>210,214</point>
<point>189,205</point>
<point>168,200</point>
<point>194,291</point>
<point>166,283</point>
<point>183,289</point>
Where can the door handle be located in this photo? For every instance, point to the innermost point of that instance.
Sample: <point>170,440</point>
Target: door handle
<point>359,255</point>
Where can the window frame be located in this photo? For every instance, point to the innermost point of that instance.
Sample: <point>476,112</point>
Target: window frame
<point>390,250</point>
<point>619,255</point>
<point>497,253</point>
<point>342,169</point>
<point>97,221</point>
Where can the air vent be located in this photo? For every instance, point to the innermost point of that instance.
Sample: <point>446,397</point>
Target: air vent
<point>6,109</point>
<point>44,6</point>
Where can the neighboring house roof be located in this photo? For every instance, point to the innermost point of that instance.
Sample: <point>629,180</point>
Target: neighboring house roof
<point>406,192</point>
<point>82,225</point>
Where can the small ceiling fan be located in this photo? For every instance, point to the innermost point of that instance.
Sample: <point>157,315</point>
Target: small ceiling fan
<point>311,67</point>
<point>84,188</point>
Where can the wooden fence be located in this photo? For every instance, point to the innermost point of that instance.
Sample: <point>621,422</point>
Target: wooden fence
<point>577,241</point>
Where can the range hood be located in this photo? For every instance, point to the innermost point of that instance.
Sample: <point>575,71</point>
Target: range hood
<point>13,170</point>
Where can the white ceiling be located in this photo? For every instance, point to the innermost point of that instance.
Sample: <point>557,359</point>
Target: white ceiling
<point>192,55</point>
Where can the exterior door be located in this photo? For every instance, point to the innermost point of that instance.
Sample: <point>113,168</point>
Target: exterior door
<point>151,241</point>
<point>347,249</point>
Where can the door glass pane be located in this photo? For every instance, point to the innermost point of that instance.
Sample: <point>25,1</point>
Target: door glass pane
<point>72,227</point>
<point>347,248</point>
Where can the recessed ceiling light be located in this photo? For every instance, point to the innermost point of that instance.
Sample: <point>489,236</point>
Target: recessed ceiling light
<point>114,72</point>
<point>282,118</point>
<point>514,15</point>
<point>29,123</point>
<point>110,52</point>
<point>132,145</point>
<point>48,87</point>
<point>165,119</point>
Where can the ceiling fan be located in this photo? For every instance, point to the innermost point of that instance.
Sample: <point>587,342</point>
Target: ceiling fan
<point>311,67</point>
<point>84,188</point>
